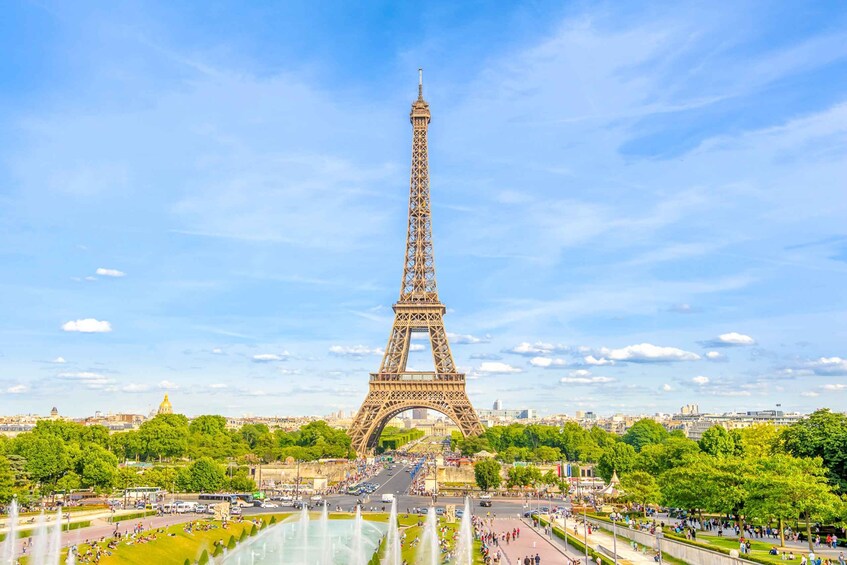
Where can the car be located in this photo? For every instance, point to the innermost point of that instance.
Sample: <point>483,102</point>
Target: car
<point>485,496</point>
<point>485,503</point>
<point>269,505</point>
<point>439,511</point>
<point>200,508</point>
<point>460,513</point>
<point>235,510</point>
<point>316,497</point>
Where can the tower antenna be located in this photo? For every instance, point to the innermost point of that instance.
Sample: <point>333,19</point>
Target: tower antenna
<point>420,84</point>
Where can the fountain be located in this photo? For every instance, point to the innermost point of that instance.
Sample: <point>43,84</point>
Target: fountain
<point>46,540</point>
<point>429,552</point>
<point>296,541</point>
<point>8,550</point>
<point>464,548</point>
<point>392,547</point>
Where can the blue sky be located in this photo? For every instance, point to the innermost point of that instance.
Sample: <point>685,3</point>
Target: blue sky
<point>636,206</point>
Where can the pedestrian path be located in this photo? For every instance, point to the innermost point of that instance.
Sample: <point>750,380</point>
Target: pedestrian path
<point>600,537</point>
<point>529,544</point>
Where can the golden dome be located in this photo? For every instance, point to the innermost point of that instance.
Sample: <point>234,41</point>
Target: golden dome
<point>165,407</point>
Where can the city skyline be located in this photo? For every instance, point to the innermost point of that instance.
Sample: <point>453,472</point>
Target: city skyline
<point>633,210</point>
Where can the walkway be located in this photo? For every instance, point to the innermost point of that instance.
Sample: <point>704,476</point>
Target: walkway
<point>529,543</point>
<point>600,537</point>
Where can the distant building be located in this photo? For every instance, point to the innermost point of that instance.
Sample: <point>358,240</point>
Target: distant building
<point>498,404</point>
<point>165,407</point>
<point>420,414</point>
<point>525,414</point>
<point>689,410</point>
<point>54,413</point>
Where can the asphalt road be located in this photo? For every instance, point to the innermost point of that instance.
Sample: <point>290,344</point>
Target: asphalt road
<point>397,482</point>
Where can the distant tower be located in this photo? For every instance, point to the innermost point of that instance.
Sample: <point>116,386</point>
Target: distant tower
<point>165,407</point>
<point>498,404</point>
<point>420,414</point>
<point>54,413</point>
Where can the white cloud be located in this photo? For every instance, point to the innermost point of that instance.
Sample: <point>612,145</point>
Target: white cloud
<point>700,380</point>
<point>648,353</point>
<point>715,356</point>
<point>586,380</point>
<point>17,389</point>
<point>666,387</point>
<point>88,378</point>
<point>87,325</point>
<point>217,351</point>
<point>809,393</point>
<point>829,366</point>
<point>218,385</point>
<point>270,357</point>
<point>591,360</point>
<point>353,350</point>
<point>579,373</point>
<point>495,367</point>
<point>416,347</point>
<point>731,339</point>
<point>837,387</point>
<point>135,388</point>
<point>537,348</point>
<point>110,272</point>
<point>59,360</point>
<point>466,339</point>
<point>168,385</point>
<point>546,362</point>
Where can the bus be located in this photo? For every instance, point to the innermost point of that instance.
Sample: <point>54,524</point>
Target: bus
<point>220,497</point>
<point>147,494</point>
<point>230,497</point>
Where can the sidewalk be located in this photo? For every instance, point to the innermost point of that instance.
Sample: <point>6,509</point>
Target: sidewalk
<point>600,537</point>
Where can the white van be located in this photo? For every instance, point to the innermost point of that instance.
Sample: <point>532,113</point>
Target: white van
<point>388,497</point>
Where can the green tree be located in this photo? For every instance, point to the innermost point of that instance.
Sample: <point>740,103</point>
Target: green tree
<point>821,434</point>
<point>473,445</point>
<point>97,467</point>
<point>46,456</point>
<point>660,457</point>
<point>164,436</point>
<point>645,432</point>
<point>759,440</point>
<point>618,457</point>
<point>784,487</point>
<point>487,474</point>
<point>641,488</point>
<point>208,425</point>
<point>719,442</point>
<point>524,476</point>
<point>547,454</point>
<point>204,475</point>
<point>7,481</point>
<point>241,482</point>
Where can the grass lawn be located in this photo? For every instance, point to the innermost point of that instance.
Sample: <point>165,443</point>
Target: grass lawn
<point>759,549</point>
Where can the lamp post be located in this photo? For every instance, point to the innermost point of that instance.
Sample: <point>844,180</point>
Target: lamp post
<point>585,529</point>
<point>615,538</point>
<point>659,536</point>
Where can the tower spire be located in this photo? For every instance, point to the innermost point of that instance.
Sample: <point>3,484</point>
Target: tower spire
<point>420,84</point>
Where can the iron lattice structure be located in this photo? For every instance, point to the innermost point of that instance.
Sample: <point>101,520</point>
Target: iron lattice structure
<point>394,389</point>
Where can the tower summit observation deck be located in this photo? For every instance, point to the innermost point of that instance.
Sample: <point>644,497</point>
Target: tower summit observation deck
<point>393,389</point>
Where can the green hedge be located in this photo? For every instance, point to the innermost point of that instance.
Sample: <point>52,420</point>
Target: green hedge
<point>393,440</point>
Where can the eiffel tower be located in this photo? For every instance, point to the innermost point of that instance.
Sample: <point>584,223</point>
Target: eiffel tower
<point>394,389</point>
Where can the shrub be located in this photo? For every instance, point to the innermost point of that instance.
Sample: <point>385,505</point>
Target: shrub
<point>204,558</point>
<point>231,543</point>
<point>243,535</point>
<point>254,530</point>
<point>273,519</point>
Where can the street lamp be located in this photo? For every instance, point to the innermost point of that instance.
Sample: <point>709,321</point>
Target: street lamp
<point>615,538</point>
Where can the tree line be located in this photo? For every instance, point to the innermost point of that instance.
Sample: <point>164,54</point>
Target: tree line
<point>762,474</point>
<point>61,456</point>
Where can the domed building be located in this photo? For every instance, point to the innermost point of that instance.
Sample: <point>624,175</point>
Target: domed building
<point>165,407</point>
